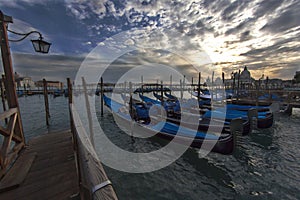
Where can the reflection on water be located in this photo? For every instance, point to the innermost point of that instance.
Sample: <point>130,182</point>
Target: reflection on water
<point>265,165</point>
<point>34,116</point>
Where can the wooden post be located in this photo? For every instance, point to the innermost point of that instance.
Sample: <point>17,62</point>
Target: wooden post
<point>198,89</point>
<point>24,88</point>
<point>73,130</point>
<point>131,110</point>
<point>101,95</point>
<point>238,88</point>
<point>46,101</point>
<point>142,82</point>
<point>233,84</point>
<point>171,84</point>
<point>181,90</point>
<point>88,111</point>
<point>223,87</point>
<point>161,93</point>
<point>9,151</point>
<point>212,85</point>
<point>70,95</point>
<point>70,98</point>
<point>10,87</point>
<point>183,83</point>
<point>223,78</point>
<point>3,96</point>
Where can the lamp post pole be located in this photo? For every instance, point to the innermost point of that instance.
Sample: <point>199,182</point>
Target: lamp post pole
<point>9,74</point>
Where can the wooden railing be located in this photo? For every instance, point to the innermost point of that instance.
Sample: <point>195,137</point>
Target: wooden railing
<point>12,141</point>
<point>93,181</point>
<point>13,136</point>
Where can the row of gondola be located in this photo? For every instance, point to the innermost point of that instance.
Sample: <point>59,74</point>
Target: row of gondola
<point>188,121</point>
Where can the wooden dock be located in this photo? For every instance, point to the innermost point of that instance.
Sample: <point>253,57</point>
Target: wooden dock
<point>46,169</point>
<point>54,166</point>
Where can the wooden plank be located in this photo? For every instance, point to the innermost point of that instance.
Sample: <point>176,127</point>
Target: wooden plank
<point>50,138</point>
<point>42,188</point>
<point>53,173</point>
<point>5,133</point>
<point>48,172</point>
<point>7,140</point>
<point>11,156</point>
<point>8,113</point>
<point>48,146</point>
<point>18,172</point>
<point>51,162</point>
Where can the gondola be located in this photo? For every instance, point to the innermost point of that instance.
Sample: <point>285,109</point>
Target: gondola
<point>164,129</point>
<point>205,122</point>
<point>264,119</point>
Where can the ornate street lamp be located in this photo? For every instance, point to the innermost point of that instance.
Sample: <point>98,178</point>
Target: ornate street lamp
<point>39,45</point>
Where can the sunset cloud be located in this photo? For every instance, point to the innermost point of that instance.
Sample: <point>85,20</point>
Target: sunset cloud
<point>262,34</point>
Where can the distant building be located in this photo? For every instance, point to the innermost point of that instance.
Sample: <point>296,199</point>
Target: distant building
<point>297,77</point>
<point>287,83</point>
<point>244,78</point>
<point>50,84</point>
<point>246,81</point>
<point>27,82</point>
<point>275,83</point>
<point>23,82</point>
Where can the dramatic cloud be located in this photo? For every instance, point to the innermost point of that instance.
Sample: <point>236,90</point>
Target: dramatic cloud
<point>262,34</point>
<point>50,67</point>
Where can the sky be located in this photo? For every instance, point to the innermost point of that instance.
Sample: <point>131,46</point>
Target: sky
<point>263,35</point>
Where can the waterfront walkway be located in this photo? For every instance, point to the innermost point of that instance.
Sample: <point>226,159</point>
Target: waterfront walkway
<point>46,169</point>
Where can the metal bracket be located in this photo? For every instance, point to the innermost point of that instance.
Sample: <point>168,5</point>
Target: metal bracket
<point>7,19</point>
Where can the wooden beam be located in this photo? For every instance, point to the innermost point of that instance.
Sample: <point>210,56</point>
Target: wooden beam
<point>88,110</point>
<point>8,113</point>
<point>10,87</point>
<point>7,141</point>
<point>90,166</point>
<point>5,133</point>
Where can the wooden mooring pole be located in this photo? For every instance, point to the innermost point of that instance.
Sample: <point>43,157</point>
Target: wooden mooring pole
<point>181,89</point>
<point>88,111</point>
<point>70,91</point>
<point>70,97</point>
<point>161,93</point>
<point>46,101</point>
<point>198,89</point>
<point>171,84</point>
<point>101,96</point>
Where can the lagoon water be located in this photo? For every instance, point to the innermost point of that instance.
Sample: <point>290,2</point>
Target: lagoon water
<point>265,165</point>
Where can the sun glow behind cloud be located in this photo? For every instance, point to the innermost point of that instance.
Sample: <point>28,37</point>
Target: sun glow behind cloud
<point>262,34</point>
<point>227,32</point>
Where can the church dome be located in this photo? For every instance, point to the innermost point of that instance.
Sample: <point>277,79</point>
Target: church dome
<point>245,74</point>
